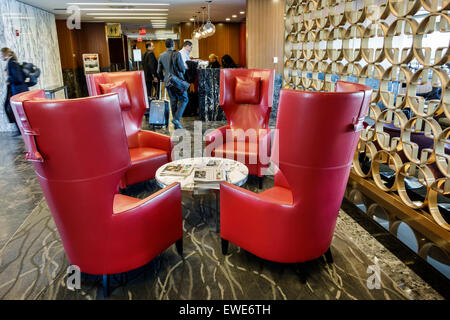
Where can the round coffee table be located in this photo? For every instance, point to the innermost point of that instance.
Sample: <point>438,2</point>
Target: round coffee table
<point>235,173</point>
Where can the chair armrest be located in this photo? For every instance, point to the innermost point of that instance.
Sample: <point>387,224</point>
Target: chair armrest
<point>155,140</point>
<point>168,192</point>
<point>244,213</point>
<point>147,227</point>
<point>248,198</point>
<point>211,137</point>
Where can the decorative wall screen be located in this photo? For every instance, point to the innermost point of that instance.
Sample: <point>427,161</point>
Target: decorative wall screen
<point>401,49</point>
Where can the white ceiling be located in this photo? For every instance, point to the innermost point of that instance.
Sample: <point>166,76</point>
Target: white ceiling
<point>178,10</point>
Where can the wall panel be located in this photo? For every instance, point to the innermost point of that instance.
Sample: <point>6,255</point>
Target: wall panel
<point>92,39</point>
<point>401,49</point>
<point>265,33</point>
<point>35,42</point>
<point>224,41</point>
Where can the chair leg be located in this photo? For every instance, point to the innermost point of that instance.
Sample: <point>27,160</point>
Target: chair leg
<point>260,182</point>
<point>179,245</point>
<point>106,283</point>
<point>329,256</point>
<point>302,273</point>
<point>217,212</point>
<point>224,246</point>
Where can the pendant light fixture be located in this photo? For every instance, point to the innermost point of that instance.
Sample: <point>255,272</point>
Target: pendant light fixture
<point>209,27</point>
<point>202,30</point>
<point>196,33</point>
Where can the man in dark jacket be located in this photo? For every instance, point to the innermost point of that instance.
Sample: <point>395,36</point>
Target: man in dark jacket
<point>151,70</point>
<point>170,62</point>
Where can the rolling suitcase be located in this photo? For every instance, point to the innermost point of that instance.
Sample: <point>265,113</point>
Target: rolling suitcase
<point>159,112</point>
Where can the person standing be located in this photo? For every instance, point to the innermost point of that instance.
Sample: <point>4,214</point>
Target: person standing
<point>171,62</point>
<point>15,81</point>
<point>151,71</point>
<point>185,52</point>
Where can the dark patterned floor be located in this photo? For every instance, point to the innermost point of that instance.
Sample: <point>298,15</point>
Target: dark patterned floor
<point>33,264</point>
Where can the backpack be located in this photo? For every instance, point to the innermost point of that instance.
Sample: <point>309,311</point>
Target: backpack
<point>31,73</point>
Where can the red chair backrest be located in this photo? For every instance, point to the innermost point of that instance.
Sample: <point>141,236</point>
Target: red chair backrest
<point>135,81</point>
<point>316,140</point>
<point>84,154</point>
<point>31,153</point>
<point>246,116</point>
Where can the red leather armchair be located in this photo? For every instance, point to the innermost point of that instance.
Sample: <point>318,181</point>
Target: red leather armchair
<point>79,150</point>
<point>148,150</point>
<point>247,104</point>
<point>316,139</point>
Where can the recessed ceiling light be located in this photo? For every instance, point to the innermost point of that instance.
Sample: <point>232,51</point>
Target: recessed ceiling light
<point>192,19</point>
<point>228,19</point>
<point>242,12</point>
<point>116,4</point>
<point>155,15</point>
<point>234,16</point>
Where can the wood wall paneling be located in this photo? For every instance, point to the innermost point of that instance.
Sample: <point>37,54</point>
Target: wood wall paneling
<point>224,41</point>
<point>265,33</point>
<point>160,46</point>
<point>91,38</point>
<point>68,46</point>
<point>243,44</point>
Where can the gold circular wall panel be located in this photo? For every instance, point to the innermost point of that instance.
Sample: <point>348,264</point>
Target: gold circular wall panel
<point>402,49</point>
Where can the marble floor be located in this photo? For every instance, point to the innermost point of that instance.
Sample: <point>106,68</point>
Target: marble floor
<point>33,264</point>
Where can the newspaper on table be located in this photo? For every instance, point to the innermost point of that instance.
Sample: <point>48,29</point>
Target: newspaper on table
<point>177,170</point>
<point>209,175</point>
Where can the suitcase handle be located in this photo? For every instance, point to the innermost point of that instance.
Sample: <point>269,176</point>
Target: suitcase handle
<point>160,91</point>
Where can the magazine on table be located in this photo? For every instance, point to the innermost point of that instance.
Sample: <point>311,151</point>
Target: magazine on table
<point>209,175</point>
<point>177,170</point>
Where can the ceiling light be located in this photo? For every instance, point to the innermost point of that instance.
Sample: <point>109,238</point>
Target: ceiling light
<point>155,15</point>
<point>116,4</point>
<point>120,9</point>
<point>242,12</point>
<point>228,19</point>
<point>234,16</point>
<point>209,27</point>
<point>192,19</point>
<point>201,30</point>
